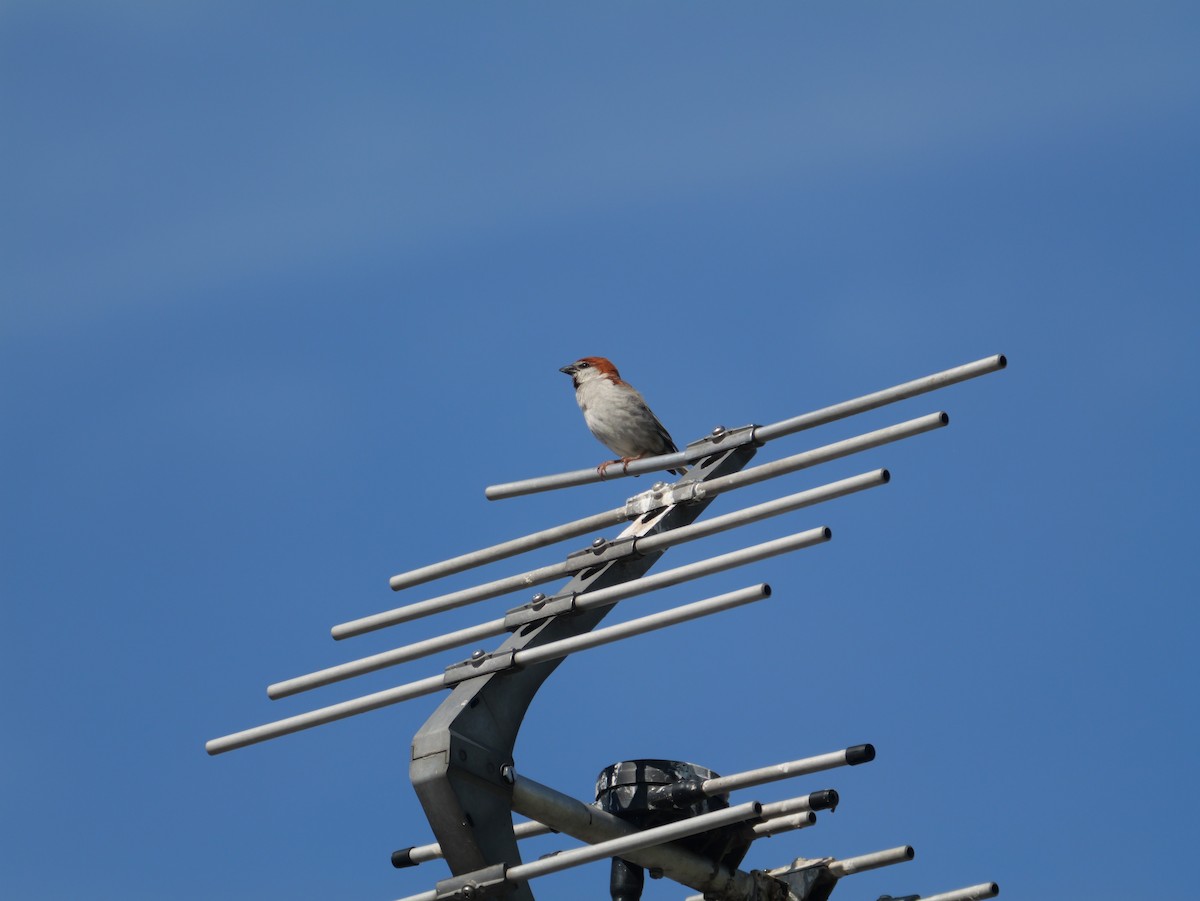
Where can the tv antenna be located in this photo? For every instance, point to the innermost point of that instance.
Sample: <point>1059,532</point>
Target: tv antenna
<point>671,818</point>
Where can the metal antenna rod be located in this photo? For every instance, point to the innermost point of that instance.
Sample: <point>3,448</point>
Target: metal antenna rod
<point>872,861</point>
<point>762,434</point>
<point>419,854</point>
<point>838,449</point>
<point>845,866</point>
<point>510,548</point>
<point>609,634</point>
<point>618,847</point>
<point>881,398</point>
<point>759,512</point>
<point>778,825</point>
<point>971,893</point>
<point>721,785</point>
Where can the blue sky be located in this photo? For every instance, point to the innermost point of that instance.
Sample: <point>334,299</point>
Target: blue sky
<point>286,285</point>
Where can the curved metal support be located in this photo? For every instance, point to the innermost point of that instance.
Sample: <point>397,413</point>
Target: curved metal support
<point>462,760</point>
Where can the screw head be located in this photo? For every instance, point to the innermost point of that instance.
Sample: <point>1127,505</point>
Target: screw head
<point>478,654</point>
<point>658,486</point>
<point>718,431</point>
<point>508,774</point>
<point>599,542</point>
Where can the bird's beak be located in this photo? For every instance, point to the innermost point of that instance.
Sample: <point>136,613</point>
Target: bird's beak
<point>569,370</point>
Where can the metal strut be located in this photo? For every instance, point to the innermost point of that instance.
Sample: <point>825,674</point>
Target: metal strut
<point>462,757</point>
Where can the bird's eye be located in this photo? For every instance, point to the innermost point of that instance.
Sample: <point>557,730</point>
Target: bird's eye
<point>584,365</point>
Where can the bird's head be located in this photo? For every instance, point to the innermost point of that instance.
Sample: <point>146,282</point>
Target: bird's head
<point>587,368</point>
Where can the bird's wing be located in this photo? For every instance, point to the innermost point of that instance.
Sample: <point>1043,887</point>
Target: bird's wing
<point>659,427</point>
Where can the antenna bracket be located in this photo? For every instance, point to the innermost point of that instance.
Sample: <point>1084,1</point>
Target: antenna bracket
<point>479,664</point>
<point>475,886</point>
<point>538,609</point>
<point>601,551</point>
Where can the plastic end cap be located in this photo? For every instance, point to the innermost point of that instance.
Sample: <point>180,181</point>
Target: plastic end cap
<point>860,754</point>
<point>403,858</point>
<point>823,800</point>
<point>1001,360</point>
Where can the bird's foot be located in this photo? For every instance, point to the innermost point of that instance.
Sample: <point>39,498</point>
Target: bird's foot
<point>602,469</point>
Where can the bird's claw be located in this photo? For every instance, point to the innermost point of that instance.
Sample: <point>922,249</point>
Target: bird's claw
<point>602,469</point>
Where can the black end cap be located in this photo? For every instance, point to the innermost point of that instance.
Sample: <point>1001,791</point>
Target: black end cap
<point>1002,360</point>
<point>403,858</point>
<point>687,791</point>
<point>823,800</point>
<point>860,754</point>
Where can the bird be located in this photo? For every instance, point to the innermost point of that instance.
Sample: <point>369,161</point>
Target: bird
<point>617,414</point>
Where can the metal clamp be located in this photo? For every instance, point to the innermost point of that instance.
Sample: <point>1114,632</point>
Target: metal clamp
<point>478,664</point>
<point>475,886</point>
<point>661,496</point>
<point>689,489</point>
<point>601,551</point>
<point>722,439</point>
<point>539,608</point>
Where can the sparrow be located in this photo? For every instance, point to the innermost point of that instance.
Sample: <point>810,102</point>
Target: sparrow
<point>617,414</point>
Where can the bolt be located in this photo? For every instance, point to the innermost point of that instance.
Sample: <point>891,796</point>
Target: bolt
<point>478,655</point>
<point>718,431</point>
<point>508,774</point>
<point>599,542</point>
<point>539,600</point>
<point>658,486</point>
